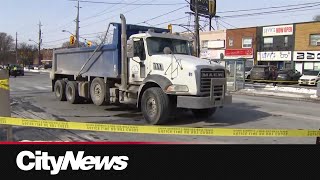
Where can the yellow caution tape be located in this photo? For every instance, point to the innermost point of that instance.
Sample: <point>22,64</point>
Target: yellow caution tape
<point>4,84</point>
<point>271,81</point>
<point>158,129</point>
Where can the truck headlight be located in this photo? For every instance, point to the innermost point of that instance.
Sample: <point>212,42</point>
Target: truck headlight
<point>178,88</point>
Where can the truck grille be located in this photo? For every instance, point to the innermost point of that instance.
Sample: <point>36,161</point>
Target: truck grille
<point>206,76</point>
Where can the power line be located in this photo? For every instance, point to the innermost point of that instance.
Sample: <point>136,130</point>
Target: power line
<point>171,21</point>
<point>270,12</point>
<point>272,7</point>
<point>132,4</point>
<point>162,15</point>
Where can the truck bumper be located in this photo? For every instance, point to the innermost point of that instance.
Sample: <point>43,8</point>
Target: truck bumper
<point>191,102</point>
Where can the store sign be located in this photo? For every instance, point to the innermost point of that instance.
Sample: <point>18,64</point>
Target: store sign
<point>306,56</point>
<point>239,53</point>
<point>210,54</point>
<point>216,44</point>
<point>274,56</point>
<point>278,30</point>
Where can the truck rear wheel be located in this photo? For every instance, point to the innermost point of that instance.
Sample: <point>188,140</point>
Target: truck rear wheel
<point>98,92</point>
<point>59,90</point>
<point>72,94</point>
<point>203,113</point>
<point>155,106</point>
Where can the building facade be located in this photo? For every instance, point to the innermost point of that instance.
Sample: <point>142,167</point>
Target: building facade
<point>275,45</point>
<point>241,43</point>
<point>213,44</point>
<point>307,46</point>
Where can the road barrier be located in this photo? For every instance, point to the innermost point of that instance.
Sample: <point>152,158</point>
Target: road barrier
<point>159,130</point>
<point>5,110</point>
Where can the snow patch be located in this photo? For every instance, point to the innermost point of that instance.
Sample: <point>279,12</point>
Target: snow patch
<point>291,90</point>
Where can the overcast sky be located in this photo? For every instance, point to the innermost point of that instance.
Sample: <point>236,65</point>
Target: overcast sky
<point>22,16</point>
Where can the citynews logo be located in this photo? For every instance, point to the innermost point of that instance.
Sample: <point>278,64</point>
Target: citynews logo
<point>42,161</point>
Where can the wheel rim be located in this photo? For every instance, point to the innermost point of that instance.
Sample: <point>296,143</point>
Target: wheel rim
<point>97,91</point>
<point>58,92</point>
<point>69,93</point>
<point>151,107</point>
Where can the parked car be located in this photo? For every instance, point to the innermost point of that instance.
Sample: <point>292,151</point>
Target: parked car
<point>309,77</point>
<point>261,72</point>
<point>288,75</point>
<point>20,69</point>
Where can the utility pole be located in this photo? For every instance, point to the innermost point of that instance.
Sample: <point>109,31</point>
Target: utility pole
<point>77,25</point>
<point>197,44</point>
<point>39,44</point>
<point>17,48</point>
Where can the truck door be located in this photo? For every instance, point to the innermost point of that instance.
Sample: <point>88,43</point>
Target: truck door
<point>137,64</point>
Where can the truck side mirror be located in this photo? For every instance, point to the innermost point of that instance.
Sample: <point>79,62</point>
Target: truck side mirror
<point>130,48</point>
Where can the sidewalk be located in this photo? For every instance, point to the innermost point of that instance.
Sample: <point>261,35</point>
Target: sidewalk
<point>291,93</point>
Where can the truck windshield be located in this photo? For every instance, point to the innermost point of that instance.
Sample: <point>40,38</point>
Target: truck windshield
<point>156,46</point>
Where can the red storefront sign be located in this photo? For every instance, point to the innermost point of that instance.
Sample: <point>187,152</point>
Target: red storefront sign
<point>239,52</point>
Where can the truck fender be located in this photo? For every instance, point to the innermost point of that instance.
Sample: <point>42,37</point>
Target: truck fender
<point>153,81</point>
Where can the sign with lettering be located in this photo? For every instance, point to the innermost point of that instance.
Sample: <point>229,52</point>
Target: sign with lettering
<point>306,56</point>
<point>239,53</point>
<point>274,56</point>
<point>278,30</point>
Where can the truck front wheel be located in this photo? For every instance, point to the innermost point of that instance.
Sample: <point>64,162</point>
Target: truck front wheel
<point>155,106</point>
<point>98,91</point>
<point>72,93</point>
<point>203,113</point>
<point>59,90</point>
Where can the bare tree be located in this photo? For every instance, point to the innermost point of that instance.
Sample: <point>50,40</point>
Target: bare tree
<point>6,47</point>
<point>316,18</point>
<point>27,53</point>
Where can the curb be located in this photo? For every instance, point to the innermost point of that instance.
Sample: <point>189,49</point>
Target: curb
<point>278,97</point>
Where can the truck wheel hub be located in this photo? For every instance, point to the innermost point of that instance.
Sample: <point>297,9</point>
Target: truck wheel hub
<point>151,107</point>
<point>97,90</point>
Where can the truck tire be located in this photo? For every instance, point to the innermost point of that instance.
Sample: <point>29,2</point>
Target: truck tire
<point>98,92</point>
<point>72,93</point>
<point>203,113</point>
<point>155,106</point>
<point>59,90</point>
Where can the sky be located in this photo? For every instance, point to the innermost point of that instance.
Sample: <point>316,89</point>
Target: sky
<point>23,16</point>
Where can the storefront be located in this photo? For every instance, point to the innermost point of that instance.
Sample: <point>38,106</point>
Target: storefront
<point>280,59</point>
<point>307,60</point>
<point>247,54</point>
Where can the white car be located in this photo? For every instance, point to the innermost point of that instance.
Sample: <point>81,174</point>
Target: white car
<point>309,77</point>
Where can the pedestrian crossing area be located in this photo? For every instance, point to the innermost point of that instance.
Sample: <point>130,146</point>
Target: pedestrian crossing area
<point>30,88</point>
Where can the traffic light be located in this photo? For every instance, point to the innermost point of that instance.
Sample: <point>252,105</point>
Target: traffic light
<point>170,28</point>
<point>72,40</point>
<point>89,43</point>
<point>212,7</point>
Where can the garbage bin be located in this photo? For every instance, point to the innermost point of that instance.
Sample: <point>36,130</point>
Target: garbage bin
<point>318,89</point>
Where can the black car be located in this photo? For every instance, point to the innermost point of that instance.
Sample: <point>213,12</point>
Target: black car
<point>288,75</point>
<point>20,70</point>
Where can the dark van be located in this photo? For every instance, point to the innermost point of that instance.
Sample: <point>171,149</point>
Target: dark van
<point>261,72</point>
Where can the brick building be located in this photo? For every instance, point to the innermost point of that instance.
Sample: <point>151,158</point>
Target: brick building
<point>307,46</point>
<point>275,45</point>
<point>241,43</point>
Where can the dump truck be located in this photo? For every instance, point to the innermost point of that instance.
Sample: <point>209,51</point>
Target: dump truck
<point>150,68</point>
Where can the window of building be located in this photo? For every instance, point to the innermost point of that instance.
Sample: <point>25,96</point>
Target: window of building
<point>315,39</point>
<point>286,41</point>
<point>268,42</point>
<point>230,42</point>
<point>247,42</point>
<point>205,44</point>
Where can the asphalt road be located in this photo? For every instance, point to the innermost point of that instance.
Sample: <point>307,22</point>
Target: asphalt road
<point>31,97</point>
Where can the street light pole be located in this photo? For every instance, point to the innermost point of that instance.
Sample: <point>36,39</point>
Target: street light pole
<point>39,44</point>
